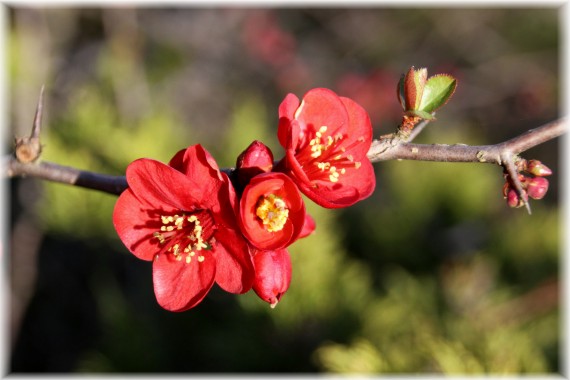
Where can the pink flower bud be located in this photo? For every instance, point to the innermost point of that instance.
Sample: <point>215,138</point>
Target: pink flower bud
<point>538,169</point>
<point>272,275</point>
<point>256,159</point>
<point>537,187</point>
<point>513,199</point>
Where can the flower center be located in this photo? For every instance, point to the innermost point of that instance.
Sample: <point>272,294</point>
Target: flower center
<point>325,156</point>
<point>272,211</point>
<point>186,235</point>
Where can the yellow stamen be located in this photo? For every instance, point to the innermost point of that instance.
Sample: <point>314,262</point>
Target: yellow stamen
<point>273,212</point>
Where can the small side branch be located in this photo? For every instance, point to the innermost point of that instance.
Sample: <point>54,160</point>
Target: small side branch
<point>394,149</point>
<point>66,175</point>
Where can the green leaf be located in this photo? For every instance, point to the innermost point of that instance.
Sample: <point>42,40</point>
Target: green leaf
<point>437,91</point>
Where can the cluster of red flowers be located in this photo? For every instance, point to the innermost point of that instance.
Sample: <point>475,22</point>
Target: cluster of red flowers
<point>199,225</point>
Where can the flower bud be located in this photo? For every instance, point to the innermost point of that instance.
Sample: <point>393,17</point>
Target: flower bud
<point>272,275</point>
<point>256,159</point>
<point>513,199</point>
<point>538,169</point>
<point>537,187</point>
<point>420,96</point>
<point>411,88</point>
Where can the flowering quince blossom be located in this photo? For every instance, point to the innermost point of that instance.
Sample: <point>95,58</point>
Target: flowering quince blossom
<point>272,274</point>
<point>326,138</point>
<point>272,211</point>
<point>182,217</point>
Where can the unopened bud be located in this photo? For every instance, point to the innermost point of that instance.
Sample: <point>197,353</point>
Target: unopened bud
<point>513,199</point>
<point>537,187</point>
<point>272,275</point>
<point>538,169</point>
<point>256,159</point>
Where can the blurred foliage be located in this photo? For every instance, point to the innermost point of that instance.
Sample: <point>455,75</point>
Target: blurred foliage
<point>432,274</point>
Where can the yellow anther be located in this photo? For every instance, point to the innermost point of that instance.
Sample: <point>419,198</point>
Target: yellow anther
<point>357,164</point>
<point>159,236</point>
<point>200,259</point>
<point>273,212</point>
<point>188,259</point>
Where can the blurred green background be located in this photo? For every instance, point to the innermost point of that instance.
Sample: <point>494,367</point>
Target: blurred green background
<point>432,274</point>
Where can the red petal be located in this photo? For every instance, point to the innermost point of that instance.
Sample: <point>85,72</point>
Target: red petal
<point>234,265</point>
<point>178,285</point>
<point>177,162</point>
<point>272,275</point>
<point>353,186</point>
<point>158,185</point>
<point>309,226</point>
<point>131,223</point>
<point>322,107</point>
<point>359,127</point>
<point>287,110</point>
<point>199,164</point>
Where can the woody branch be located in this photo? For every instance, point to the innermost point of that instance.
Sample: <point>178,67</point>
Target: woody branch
<point>25,162</point>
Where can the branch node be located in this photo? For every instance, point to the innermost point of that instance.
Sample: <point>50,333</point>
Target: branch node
<point>29,149</point>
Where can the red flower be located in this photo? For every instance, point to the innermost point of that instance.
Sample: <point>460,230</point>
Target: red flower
<point>272,275</point>
<point>182,218</point>
<point>326,138</point>
<point>272,211</point>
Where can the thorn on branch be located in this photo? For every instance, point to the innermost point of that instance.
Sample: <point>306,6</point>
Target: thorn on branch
<point>29,149</point>
<point>511,169</point>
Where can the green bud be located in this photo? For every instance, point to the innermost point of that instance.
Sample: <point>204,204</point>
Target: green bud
<point>420,96</point>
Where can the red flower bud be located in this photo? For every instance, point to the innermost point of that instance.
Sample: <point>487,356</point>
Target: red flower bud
<point>272,211</point>
<point>513,199</point>
<point>538,169</point>
<point>272,275</point>
<point>537,187</point>
<point>256,159</point>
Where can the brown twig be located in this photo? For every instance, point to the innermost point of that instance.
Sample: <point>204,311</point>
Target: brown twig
<point>394,147</point>
<point>29,149</point>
